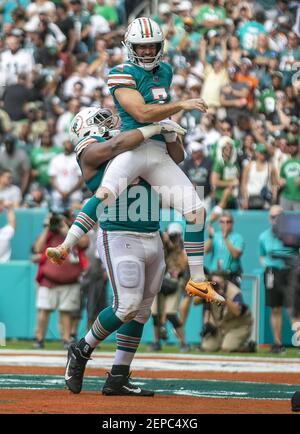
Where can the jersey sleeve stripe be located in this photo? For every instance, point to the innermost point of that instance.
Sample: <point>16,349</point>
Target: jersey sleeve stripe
<point>121,84</point>
<point>120,80</point>
<point>127,76</point>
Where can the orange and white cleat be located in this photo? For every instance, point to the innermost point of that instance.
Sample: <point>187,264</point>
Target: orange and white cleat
<point>57,255</point>
<point>204,290</point>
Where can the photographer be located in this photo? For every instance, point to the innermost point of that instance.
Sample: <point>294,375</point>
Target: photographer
<point>58,287</point>
<point>276,277</point>
<point>228,327</point>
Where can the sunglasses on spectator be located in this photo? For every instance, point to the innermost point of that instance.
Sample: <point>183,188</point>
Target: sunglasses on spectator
<point>226,221</point>
<point>226,129</point>
<point>273,217</point>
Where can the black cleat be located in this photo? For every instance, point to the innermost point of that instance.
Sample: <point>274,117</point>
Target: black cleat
<point>75,368</point>
<point>120,385</point>
<point>295,401</point>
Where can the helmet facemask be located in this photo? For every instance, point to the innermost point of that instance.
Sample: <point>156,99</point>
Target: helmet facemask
<point>138,60</point>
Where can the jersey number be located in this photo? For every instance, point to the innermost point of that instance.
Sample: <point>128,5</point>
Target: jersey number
<point>159,94</point>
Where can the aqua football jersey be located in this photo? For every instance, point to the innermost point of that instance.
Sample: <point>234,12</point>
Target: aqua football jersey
<point>154,86</point>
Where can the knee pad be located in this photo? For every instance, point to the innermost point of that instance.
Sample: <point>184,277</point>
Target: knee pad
<point>174,320</point>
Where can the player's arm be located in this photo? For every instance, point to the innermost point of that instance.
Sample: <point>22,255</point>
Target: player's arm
<point>133,103</point>
<point>176,150</point>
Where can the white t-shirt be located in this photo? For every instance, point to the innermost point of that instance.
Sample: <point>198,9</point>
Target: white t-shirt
<point>66,171</point>
<point>6,234</point>
<point>11,194</point>
<point>13,64</point>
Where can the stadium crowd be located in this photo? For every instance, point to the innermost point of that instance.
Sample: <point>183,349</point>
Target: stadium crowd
<point>241,57</point>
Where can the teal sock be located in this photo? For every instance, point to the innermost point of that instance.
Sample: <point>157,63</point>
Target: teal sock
<point>106,323</point>
<point>128,339</point>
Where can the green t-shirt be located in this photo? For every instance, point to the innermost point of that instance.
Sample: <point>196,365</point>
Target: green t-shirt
<point>209,13</point>
<point>227,171</point>
<point>290,170</point>
<point>108,12</point>
<point>40,160</point>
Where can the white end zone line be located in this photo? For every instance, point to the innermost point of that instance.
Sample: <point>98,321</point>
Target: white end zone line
<point>152,361</point>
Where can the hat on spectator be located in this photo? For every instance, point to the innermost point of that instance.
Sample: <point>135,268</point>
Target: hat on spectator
<point>276,74</point>
<point>32,25</point>
<point>164,8</point>
<point>75,2</point>
<point>212,33</point>
<point>178,80</point>
<point>196,146</point>
<point>184,6</point>
<point>174,228</point>
<point>246,61</point>
<point>225,140</point>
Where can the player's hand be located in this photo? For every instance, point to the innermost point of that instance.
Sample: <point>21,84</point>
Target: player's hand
<point>168,126</point>
<point>195,104</point>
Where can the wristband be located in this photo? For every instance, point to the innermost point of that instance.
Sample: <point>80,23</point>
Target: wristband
<point>170,137</point>
<point>150,130</point>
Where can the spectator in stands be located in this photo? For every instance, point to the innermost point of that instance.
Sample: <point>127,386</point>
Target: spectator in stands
<point>225,177</point>
<point>215,77</point>
<point>40,160</point>
<point>15,98</point>
<point>17,161</point>
<point>10,194</point>
<point>36,197</point>
<point>227,328</point>
<point>226,247</point>
<point>64,120</point>
<point>290,178</point>
<point>197,167</point>
<point>276,277</point>
<point>7,231</point>
<point>259,181</point>
<point>14,61</point>
<point>58,287</point>
<point>66,180</point>
<point>234,96</point>
<point>165,304</point>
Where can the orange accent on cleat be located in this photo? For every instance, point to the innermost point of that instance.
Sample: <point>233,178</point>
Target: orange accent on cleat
<point>204,290</point>
<point>57,255</point>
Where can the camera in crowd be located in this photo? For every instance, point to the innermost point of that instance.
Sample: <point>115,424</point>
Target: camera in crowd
<point>55,222</point>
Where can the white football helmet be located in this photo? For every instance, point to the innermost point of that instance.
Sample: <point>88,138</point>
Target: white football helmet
<point>92,121</point>
<point>144,31</point>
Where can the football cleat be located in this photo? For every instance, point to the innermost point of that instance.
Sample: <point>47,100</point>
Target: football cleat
<point>75,368</point>
<point>204,290</point>
<point>120,385</point>
<point>57,255</point>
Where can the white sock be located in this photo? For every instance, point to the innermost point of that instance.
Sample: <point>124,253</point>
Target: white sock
<point>196,268</point>
<point>74,234</point>
<point>123,357</point>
